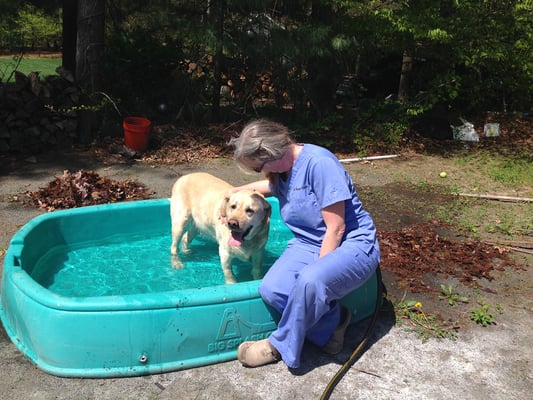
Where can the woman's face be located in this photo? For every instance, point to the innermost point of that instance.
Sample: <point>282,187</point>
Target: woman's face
<point>278,166</point>
<point>281,165</point>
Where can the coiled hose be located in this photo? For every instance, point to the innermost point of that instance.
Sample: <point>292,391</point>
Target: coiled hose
<point>360,347</point>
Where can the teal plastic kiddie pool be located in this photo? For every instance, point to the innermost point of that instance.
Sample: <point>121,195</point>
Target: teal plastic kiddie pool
<point>90,292</point>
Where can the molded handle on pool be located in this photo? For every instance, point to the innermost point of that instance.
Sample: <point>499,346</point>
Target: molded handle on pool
<point>16,261</point>
<point>14,252</point>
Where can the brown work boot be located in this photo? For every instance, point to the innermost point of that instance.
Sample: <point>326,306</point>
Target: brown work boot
<point>336,341</point>
<point>255,354</point>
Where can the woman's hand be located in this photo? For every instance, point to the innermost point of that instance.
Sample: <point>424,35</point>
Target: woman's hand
<point>335,227</point>
<point>230,192</point>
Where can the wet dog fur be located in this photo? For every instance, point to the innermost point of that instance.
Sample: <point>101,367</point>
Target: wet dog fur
<point>239,223</point>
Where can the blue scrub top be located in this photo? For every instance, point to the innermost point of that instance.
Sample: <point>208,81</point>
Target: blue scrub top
<point>317,180</point>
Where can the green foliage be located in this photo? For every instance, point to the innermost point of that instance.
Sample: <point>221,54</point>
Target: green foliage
<point>35,28</point>
<point>447,293</point>
<point>483,315</point>
<point>324,131</point>
<point>426,325</point>
<point>142,82</point>
<point>445,89</point>
<point>467,56</point>
<point>382,122</point>
<point>93,106</point>
<point>489,43</point>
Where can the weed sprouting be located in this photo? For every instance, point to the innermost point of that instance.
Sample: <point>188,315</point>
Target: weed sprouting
<point>447,293</point>
<point>424,324</point>
<point>483,315</point>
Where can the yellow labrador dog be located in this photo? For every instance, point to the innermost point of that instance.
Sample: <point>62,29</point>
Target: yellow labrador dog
<point>239,223</point>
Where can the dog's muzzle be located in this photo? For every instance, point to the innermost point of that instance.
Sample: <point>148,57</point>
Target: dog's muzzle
<point>237,236</point>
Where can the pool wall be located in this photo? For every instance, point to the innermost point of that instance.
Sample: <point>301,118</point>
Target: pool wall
<point>128,335</point>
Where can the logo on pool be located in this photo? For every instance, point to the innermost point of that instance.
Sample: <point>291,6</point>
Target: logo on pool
<point>234,330</point>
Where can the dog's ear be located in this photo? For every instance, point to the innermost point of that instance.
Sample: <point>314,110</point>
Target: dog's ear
<point>223,205</point>
<point>267,207</point>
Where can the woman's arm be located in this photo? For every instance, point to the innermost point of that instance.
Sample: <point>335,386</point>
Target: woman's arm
<point>262,187</point>
<point>335,226</point>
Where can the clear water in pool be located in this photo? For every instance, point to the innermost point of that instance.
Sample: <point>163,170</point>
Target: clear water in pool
<point>140,263</point>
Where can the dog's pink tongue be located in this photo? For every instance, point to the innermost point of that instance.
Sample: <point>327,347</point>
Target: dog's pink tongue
<point>235,239</point>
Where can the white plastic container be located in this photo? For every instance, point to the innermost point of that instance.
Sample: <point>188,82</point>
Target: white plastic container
<point>491,130</point>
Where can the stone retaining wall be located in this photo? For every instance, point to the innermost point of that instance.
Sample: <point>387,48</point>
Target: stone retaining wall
<point>38,114</point>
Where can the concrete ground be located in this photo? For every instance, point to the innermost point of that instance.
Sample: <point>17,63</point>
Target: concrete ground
<point>484,363</point>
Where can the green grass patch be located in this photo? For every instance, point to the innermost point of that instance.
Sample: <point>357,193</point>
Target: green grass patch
<point>515,172</point>
<point>510,170</point>
<point>43,65</point>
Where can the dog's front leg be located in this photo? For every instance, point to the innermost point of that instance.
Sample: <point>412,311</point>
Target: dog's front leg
<point>257,264</point>
<point>225,262</point>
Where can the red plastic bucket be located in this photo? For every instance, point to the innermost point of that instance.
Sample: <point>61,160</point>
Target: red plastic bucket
<point>136,130</point>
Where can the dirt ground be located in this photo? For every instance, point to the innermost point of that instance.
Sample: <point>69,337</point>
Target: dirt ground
<point>481,363</point>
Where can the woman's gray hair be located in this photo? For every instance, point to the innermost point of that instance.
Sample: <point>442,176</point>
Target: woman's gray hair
<point>261,140</point>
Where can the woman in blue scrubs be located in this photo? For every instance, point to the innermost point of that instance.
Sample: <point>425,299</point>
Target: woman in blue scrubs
<point>334,250</point>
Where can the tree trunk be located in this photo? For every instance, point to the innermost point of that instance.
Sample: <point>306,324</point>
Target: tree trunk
<point>70,13</point>
<point>89,60</point>
<point>90,43</point>
<point>218,18</point>
<point>407,66</point>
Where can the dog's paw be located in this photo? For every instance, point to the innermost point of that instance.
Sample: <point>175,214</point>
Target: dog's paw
<point>257,274</point>
<point>176,262</point>
<point>228,276</point>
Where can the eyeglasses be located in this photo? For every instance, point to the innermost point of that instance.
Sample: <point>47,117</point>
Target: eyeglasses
<point>259,169</point>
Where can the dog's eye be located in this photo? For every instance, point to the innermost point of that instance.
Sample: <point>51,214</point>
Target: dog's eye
<point>250,211</point>
<point>233,206</point>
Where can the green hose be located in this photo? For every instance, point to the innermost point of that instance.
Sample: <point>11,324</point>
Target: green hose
<point>358,350</point>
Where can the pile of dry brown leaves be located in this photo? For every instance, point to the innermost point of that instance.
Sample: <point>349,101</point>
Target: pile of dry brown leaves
<point>84,188</point>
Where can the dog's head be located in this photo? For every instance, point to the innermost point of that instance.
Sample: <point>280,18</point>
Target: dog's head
<point>246,213</point>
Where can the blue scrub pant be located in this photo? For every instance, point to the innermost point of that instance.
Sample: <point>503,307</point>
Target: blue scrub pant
<point>305,290</point>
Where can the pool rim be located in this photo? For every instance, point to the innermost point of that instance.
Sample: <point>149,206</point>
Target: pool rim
<point>158,300</point>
